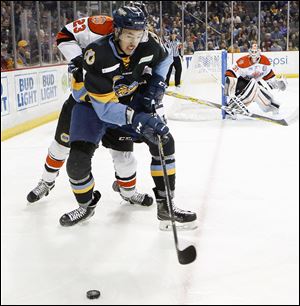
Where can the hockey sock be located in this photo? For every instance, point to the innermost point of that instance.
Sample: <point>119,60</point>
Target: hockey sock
<point>55,159</point>
<point>127,185</point>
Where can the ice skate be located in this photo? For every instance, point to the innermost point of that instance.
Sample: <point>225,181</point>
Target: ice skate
<point>142,199</point>
<point>184,219</point>
<point>80,214</point>
<point>42,189</point>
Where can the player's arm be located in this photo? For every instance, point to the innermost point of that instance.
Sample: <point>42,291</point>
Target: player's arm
<point>160,66</point>
<point>67,43</point>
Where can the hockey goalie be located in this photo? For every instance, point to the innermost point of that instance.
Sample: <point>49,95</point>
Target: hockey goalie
<point>251,79</point>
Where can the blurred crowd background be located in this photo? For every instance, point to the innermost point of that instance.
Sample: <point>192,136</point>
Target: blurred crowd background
<point>29,28</point>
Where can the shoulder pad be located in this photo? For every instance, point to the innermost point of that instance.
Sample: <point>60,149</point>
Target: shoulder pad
<point>264,60</point>
<point>243,62</point>
<point>102,25</point>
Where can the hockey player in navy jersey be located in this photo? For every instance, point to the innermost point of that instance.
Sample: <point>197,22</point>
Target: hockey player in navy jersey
<point>71,40</point>
<point>111,95</point>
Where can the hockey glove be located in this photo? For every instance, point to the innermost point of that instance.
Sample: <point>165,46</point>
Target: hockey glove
<point>75,67</point>
<point>154,92</point>
<point>278,83</point>
<point>150,126</point>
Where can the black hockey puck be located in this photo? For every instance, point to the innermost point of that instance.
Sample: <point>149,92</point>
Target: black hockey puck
<point>93,294</point>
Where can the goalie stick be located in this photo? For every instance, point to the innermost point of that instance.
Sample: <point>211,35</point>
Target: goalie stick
<point>189,254</point>
<point>219,106</point>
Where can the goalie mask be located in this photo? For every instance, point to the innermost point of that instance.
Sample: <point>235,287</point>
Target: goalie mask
<point>254,53</point>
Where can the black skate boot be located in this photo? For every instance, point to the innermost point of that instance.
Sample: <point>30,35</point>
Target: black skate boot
<point>42,189</point>
<point>184,219</point>
<point>80,214</point>
<point>138,198</point>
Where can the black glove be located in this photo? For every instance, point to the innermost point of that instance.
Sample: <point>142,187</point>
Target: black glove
<point>75,67</point>
<point>154,92</point>
<point>150,126</point>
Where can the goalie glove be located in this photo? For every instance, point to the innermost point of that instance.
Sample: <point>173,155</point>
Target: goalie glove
<point>278,83</point>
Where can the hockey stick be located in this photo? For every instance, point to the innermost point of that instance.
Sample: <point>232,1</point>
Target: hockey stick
<point>219,106</point>
<point>187,255</point>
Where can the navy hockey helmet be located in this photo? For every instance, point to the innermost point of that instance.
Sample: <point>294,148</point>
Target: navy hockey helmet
<point>130,17</point>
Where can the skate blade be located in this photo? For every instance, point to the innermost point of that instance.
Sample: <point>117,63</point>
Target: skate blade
<point>187,226</point>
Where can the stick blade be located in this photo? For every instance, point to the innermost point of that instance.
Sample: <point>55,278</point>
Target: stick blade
<point>187,256</point>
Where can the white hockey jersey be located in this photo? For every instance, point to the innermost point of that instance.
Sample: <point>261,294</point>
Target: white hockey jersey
<point>76,35</point>
<point>246,69</point>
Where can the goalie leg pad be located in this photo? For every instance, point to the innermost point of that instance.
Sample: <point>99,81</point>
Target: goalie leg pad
<point>230,86</point>
<point>237,104</point>
<point>265,100</point>
<point>249,93</point>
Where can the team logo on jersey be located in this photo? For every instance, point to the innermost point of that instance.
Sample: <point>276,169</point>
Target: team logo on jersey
<point>89,56</point>
<point>98,19</point>
<point>122,89</point>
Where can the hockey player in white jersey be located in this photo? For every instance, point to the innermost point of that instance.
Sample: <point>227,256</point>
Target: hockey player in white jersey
<point>251,79</point>
<point>71,40</point>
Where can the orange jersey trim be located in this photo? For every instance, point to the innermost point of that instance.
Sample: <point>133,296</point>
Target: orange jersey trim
<point>102,25</point>
<point>264,60</point>
<point>230,73</point>
<point>269,76</point>
<point>61,35</point>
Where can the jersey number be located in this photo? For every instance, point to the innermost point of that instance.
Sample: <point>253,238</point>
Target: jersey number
<point>79,26</point>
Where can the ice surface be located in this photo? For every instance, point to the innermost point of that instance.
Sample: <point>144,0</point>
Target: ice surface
<point>241,177</point>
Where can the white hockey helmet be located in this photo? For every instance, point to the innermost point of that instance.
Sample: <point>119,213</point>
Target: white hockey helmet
<point>254,52</point>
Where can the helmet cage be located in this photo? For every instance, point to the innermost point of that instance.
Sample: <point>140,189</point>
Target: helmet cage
<point>254,52</point>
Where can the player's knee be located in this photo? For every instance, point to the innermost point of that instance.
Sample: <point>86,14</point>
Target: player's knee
<point>169,147</point>
<point>124,162</point>
<point>58,151</point>
<point>79,161</point>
